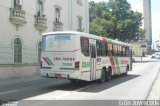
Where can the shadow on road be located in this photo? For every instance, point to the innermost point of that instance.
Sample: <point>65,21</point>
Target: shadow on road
<point>45,86</point>
<point>97,87</point>
<point>114,82</point>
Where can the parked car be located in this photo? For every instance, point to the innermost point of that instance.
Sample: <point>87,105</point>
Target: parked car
<point>156,56</point>
<point>153,56</point>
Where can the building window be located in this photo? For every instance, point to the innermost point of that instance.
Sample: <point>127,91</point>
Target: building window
<point>18,4</point>
<point>79,24</point>
<point>39,52</point>
<point>40,8</point>
<point>17,51</point>
<point>57,13</point>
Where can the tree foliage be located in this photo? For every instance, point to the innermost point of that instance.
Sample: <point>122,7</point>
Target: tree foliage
<point>116,20</point>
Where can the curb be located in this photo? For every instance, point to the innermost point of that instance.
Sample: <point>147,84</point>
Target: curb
<point>154,93</point>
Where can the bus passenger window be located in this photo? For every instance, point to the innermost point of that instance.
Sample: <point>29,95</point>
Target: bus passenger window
<point>110,53</point>
<point>123,52</point>
<point>85,46</point>
<point>103,49</point>
<point>115,50</point>
<point>127,51</point>
<point>119,50</point>
<point>106,49</point>
<point>98,48</point>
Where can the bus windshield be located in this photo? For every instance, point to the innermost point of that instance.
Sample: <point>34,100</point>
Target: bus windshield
<point>58,42</point>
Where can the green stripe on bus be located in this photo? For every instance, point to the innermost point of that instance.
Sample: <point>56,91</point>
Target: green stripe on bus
<point>50,63</point>
<point>117,64</point>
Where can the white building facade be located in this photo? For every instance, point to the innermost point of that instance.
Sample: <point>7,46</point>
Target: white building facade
<point>147,23</point>
<point>23,21</point>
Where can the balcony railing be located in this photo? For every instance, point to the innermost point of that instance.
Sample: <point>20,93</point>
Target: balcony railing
<point>41,22</point>
<point>17,17</point>
<point>58,26</point>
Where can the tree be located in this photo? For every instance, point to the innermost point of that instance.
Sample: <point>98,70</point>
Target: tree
<point>115,20</point>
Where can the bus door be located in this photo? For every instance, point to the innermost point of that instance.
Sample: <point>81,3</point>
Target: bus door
<point>93,60</point>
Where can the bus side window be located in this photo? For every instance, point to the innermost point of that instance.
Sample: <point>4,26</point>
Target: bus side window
<point>110,49</point>
<point>115,50</point>
<point>123,52</point>
<point>85,46</point>
<point>98,48</point>
<point>127,51</point>
<point>106,47</point>
<point>103,49</point>
<point>119,50</point>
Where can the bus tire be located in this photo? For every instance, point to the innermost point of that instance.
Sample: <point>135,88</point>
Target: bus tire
<point>103,76</point>
<point>109,75</point>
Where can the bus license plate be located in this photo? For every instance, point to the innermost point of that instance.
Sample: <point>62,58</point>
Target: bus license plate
<point>57,75</point>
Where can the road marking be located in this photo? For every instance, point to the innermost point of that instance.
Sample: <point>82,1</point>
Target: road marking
<point>58,94</point>
<point>84,88</point>
<point>71,92</point>
<point>8,92</point>
<point>57,82</point>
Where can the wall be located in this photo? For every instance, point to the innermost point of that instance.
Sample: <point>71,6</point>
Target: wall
<point>137,50</point>
<point>15,71</point>
<point>30,36</point>
<point>27,33</point>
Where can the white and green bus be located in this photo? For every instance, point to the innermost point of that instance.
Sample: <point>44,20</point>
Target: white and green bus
<point>81,56</point>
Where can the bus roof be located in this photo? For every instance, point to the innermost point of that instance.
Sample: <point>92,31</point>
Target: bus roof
<point>87,35</point>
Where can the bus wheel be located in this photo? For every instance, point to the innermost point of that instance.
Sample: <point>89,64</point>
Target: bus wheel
<point>103,76</point>
<point>109,75</point>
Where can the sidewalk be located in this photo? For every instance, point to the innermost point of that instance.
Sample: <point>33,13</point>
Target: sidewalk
<point>143,59</point>
<point>12,81</point>
<point>155,91</point>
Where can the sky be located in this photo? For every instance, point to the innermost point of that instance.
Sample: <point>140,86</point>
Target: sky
<point>155,9</point>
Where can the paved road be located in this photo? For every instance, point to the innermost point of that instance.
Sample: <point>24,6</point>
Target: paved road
<point>135,86</point>
<point>23,90</point>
